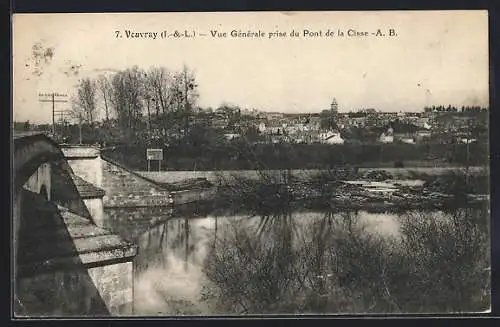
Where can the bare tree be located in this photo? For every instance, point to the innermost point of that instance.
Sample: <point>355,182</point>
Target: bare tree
<point>85,101</point>
<point>159,80</point>
<point>104,87</point>
<point>159,83</point>
<point>127,99</point>
<point>185,95</point>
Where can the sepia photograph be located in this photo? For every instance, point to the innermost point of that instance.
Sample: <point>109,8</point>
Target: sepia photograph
<point>250,163</point>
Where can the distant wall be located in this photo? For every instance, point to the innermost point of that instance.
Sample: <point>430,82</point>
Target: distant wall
<point>302,174</point>
<point>212,176</point>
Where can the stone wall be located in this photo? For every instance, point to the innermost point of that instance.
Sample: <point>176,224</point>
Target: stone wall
<point>126,189</point>
<point>123,188</point>
<point>79,151</point>
<point>301,174</point>
<point>16,221</point>
<point>67,266</point>
<point>60,293</point>
<point>89,169</point>
<point>115,286</point>
<point>99,291</point>
<point>41,177</point>
<point>212,176</point>
<point>95,208</point>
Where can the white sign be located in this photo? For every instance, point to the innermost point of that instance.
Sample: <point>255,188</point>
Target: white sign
<point>154,154</point>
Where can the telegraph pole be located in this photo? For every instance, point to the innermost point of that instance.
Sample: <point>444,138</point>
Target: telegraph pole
<point>61,116</point>
<point>52,98</point>
<point>80,127</point>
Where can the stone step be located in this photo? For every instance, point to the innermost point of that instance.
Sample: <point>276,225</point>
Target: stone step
<point>69,247</point>
<point>67,239</point>
<point>75,231</point>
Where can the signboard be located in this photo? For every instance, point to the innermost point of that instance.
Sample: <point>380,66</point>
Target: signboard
<point>154,154</point>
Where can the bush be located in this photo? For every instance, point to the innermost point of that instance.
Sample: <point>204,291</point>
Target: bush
<point>436,264</point>
<point>458,183</point>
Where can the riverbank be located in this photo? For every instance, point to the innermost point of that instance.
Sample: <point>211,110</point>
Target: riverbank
<point>345,196</point>
<point>219,176</point>
<point>346,189</point>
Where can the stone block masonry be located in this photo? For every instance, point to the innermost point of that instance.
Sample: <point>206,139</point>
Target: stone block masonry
<point>100,291</point>
<point>113,284</point>
<point>126,189</point>
<point>122,187</point>
<point>67,266</point>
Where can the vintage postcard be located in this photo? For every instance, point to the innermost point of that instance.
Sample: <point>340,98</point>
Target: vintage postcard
<point>250,163</point>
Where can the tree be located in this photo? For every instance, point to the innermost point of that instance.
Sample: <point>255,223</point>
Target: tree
<point>104,87</point>
<point>127,100</point>
<point>184,95</point>
<point>231,113</point>
<point>158,90</point>
<point>328,120</point>
<point>84,103</point>
<point>252,134</point>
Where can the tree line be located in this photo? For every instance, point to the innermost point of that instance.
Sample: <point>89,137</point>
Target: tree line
<point>450,108</point>
<point>138,104</point>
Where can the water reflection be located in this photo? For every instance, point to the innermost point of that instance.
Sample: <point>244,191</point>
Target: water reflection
<point>306,261</point>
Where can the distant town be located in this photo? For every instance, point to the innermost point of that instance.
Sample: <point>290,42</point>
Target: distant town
<point>437,124</point>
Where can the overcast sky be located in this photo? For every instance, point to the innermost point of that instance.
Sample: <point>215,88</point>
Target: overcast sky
<point>436,58</point>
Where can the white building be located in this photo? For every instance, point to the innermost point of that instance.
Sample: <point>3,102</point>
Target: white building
<point>467,140</point>
<point>387,137</point>
<point>408,140</point>
<point>232,136</point>
<point>262,127</point>
<point>331,138</point>
<point>384,138</point>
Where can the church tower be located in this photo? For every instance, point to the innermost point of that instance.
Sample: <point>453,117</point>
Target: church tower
<point>334,106</point>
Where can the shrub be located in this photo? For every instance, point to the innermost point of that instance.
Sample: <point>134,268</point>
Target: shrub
<point>333,264</point>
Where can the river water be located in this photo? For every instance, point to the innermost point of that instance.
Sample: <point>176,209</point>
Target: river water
<point>205,262</point>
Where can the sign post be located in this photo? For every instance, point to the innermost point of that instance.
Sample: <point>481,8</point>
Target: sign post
<point>154,154</point>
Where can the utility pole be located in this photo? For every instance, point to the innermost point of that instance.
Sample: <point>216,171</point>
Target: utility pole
<point>467,155</point>
<point>52,98</point>
<point>60,116</point>
<point>80,127</point>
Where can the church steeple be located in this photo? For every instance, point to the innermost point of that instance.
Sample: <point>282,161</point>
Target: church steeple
<point>334,106</point>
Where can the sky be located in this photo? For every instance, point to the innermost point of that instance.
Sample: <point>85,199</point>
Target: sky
<point>436,58</point>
